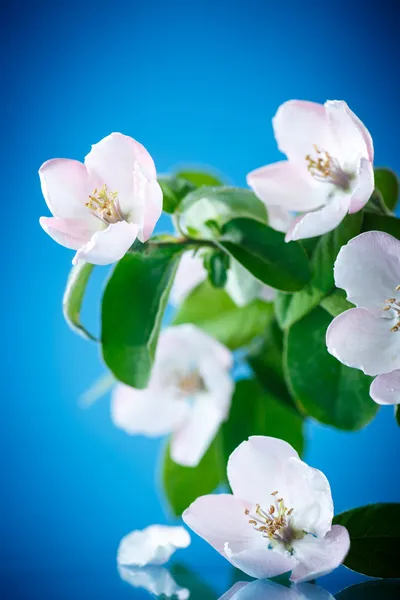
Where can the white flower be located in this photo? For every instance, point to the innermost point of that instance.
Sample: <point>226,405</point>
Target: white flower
<point>279,517</point>
<point>385,389</point>
<point>101,207</point>
<point>368,337</point>
<point>189,394</point>
<point>329,170</point>
<point>151,546</point>
<point>156,580</point>
<point>268,590</point>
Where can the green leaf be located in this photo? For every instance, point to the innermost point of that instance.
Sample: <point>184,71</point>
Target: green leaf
<point>384,223</point>
<point>174,189</point>
<point>263,415</point>
<point>199,178</point>
<point>134,302</point>
<point>182,485</point>
<point>73,297</point>
<point>185,578</point>
<point>388,185</point>
<point>397,414</point>
<point>371,590</point>
<point>336,303</point>
<point>324,388</point>
<point>264,252</point>
<point>375,538</point>
<point>290,309</point>
<point>218,205</point>
<point>217,265</point>
<point>215,312</point>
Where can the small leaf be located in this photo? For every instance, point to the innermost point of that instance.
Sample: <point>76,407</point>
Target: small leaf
<point>375,537</point>
<point>388,185</point>
<point>263,415</point>
<point>134,302</point>
<point>199,178</point>
<point>73,297</point>
<point>217,265</point>
<point>324,388</point>
<point>384,223</point>
<point>371,590</point>
<point>174,189</point>
<point>182,485</point>
<point>215,312</point>
<point>264,252</point>
<point>336,303</point>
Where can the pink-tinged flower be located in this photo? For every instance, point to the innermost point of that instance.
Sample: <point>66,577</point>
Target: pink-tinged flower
<point>385,389</point>
<point>269,590</point>
<point>151,546</point>
<point>368,337</point>
<point>279,517</point>
<point>189,394</point>
<point>329,170</point>
<point>158,581</point>
<point>100,207</point>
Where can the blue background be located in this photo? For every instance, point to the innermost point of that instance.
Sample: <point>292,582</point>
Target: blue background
<point>196,82</point>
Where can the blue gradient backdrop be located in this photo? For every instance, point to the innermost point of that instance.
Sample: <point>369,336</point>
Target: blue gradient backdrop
<point>196,82</point>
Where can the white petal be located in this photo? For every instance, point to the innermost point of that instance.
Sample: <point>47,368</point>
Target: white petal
<point>322,220</point>
<point>260,562</point>
<point>66,186</point>
<point>146,412</point>
<point>352,139</point>
<point>362,339</point>
<point>364,187</point>
<point>189,275</point>
<point>298,126</point>
<point>279,218</point>
<point>146,205</point>
<point>156,580</point>
<point>283,184</point>
<point>151,546</point>
<point>269,590</point>
<point>319,556</point>
<point>368,268</point>
<point>70,233</point>
<point>256,468</point>
<point>241,285</point>
<point>385,389</point>
<point>109,245</point>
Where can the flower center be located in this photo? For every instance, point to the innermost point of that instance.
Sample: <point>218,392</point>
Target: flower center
<point>276,523</point>
<point>191,383</point>
<point>105,206</point>
<point>324,167</point>
<point>393,304</point>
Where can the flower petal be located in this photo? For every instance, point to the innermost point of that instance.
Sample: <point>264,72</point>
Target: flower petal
<point>190,274</point>
<point>260,562</point>
<point>269,590</point>
<point>322,220</point>
<point>368,268</point>
<point>279,218</point>
<point>385,389</point>
<point>146,412</point>
<point>151,546</point>
<point>158,581</point>
<point>365,184</point>
<point>362,339</point>
<point>319,556</point>
<point>256,468</point>
<point>71,233</point>
<point>220,518</point>
<point>352,138</point>
<point>147,202</point>
<point>298,126</point>
<point>66,186</point>
<point>282,184</point>
<point>109,245</point>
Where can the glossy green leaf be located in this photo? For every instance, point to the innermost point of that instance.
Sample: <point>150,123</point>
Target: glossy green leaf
<point>264,252</point>
<point>388,185</point>
<point>199,178</point>
<point>372,590</point>
<point>215,312</point>
<point>73,297</point>
<point>182,485</point>
<point>375,539</point>
<point>134,302</point>
<point>290,308</point>
<point>336,303</point>
<point>174,189</point>
<point>199,590</point>
<point>217,265</point>
<point>397,414</point>
<point>324,388</point>
<point>384,223</point>
<point>257,412</point>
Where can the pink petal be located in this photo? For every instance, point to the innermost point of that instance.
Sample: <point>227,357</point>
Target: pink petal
<point>352,138</point>
<point>109,245</point>
<point>385,389</point>
<point>71,233</point>
<point>362,339</point>
<point>320,221</point>
<point>260,562</point>
<point>282,184</point>
<point>365,184</point>
<point>145,412</point>
<point>368,268</point>
<point>257,468</point>
<point>66,186</point>
<point>319,556</point>
<point>147,202</point>
<point>298,126</point>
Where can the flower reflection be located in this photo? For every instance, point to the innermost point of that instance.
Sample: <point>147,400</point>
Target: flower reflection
<point>268,590</point>
<point>156,580</point>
